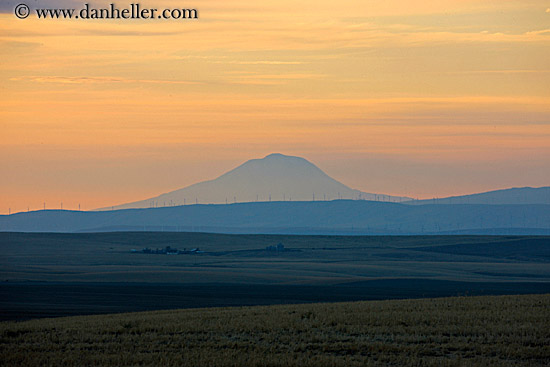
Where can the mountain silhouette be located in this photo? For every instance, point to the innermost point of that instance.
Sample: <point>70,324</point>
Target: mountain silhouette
<point>516,195</point>
<point>276,177</point>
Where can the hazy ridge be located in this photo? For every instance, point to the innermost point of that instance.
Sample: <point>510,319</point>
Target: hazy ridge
<point>516,195</point>
<point>319,217</point>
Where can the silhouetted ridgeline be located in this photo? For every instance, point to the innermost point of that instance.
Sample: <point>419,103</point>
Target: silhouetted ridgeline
<point>323,217</point>
<point>523,195</point>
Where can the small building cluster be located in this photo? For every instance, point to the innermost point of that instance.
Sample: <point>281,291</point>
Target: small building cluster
<point>279,248</point>
<point>168,251</point>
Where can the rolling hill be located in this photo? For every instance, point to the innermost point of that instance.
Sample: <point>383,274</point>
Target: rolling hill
<point>521,195</point>
<point>312,217</point>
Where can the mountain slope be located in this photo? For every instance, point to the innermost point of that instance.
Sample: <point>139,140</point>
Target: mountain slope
<point>276,177</point>
<point>522,195</point>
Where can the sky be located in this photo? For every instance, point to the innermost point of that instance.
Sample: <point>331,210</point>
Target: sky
<point>416,98</point>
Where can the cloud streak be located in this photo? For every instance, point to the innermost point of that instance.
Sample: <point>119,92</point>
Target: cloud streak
<point>96,80</point>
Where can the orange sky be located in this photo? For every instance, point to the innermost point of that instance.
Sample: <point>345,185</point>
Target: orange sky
<point>408,98</point>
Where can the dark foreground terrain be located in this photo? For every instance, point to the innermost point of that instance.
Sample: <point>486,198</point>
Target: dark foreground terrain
<point>463,331</point>
<point>22,301</point>
<point>50,275</point>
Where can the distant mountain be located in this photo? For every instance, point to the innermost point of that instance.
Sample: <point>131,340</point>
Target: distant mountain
<point>523,195</point>
<point>319,217</point>
<point>276,177</point>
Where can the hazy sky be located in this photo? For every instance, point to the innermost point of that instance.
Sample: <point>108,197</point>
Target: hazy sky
<point>416,98</point>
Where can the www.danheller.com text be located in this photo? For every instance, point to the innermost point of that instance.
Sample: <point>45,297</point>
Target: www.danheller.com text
<point>112,11</point>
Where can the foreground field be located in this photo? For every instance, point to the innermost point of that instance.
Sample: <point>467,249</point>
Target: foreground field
<point>54,274</point>
<point>464,331</point>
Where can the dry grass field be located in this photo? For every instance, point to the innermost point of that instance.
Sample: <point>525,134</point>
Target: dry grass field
<point>463,331</point>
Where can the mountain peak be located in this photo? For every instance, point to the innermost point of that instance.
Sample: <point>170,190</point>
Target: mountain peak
<point>276,177</point>
<point>276,155</point>
<point>282,157</point>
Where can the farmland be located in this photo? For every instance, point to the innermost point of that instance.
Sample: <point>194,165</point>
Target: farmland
<point>50,275</point>
<point>461,331</point>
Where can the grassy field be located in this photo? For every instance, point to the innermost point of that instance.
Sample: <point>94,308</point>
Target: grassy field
<point>49,274</point>
<point>463,331</point>
<point>242,259</point>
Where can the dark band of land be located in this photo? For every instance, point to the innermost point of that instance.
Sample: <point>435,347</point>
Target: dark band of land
<point>51,275</point>
<point>21,301</point>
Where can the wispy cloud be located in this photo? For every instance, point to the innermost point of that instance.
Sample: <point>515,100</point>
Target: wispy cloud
<point>283,76</point>
<point>254,78</point>
<point>96,80</point>
<point>264,62</point>
<point>533,71</point>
